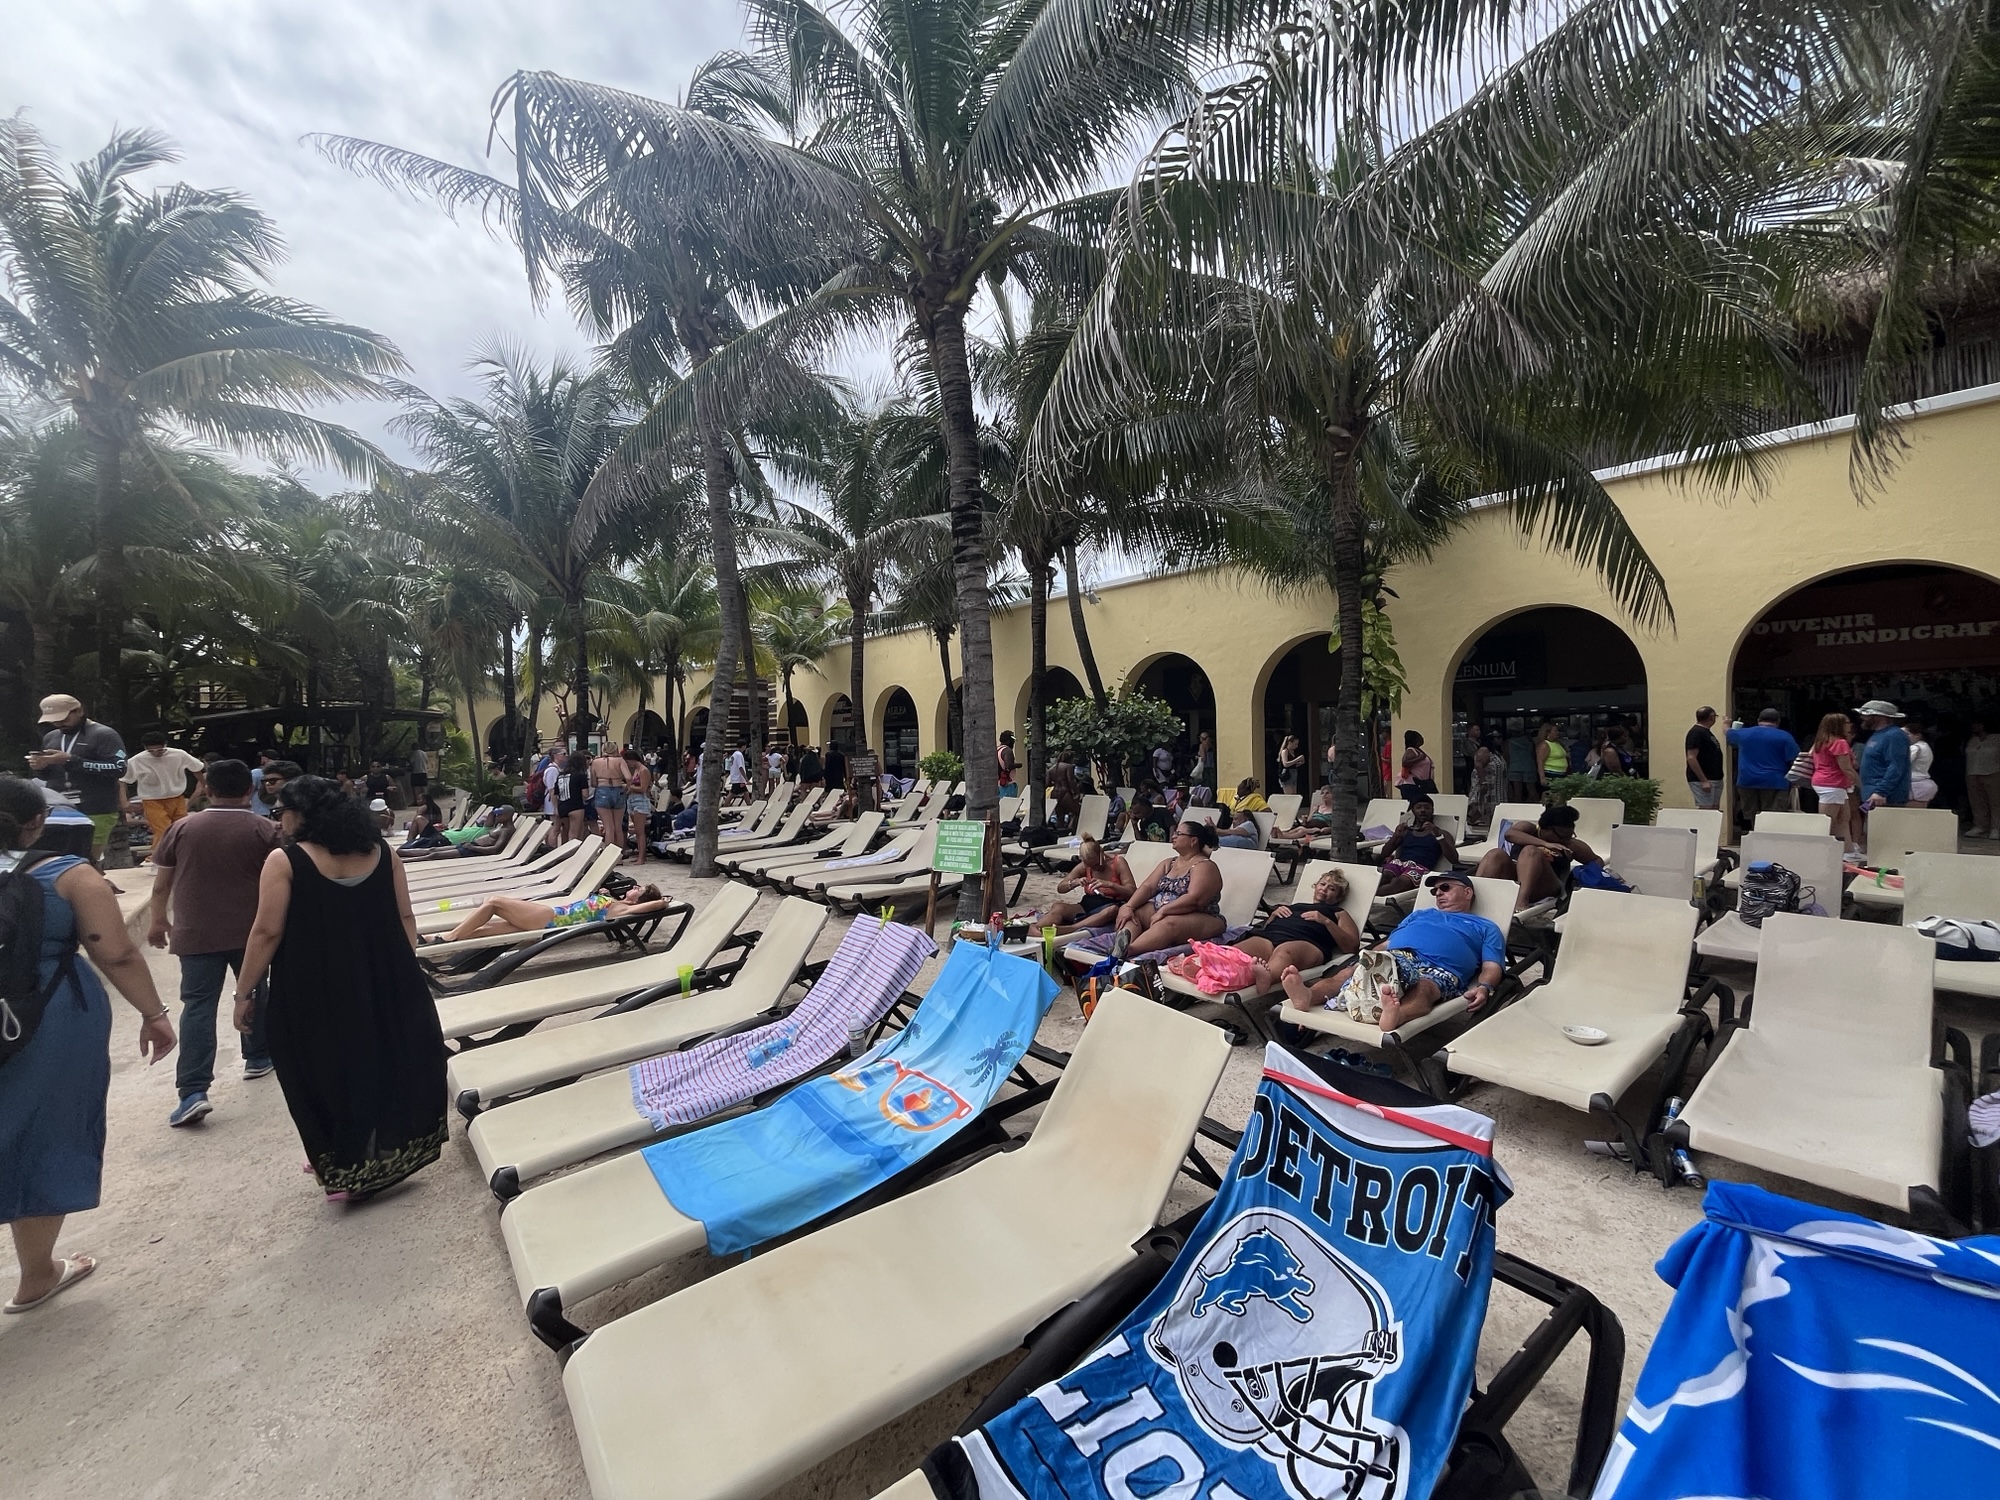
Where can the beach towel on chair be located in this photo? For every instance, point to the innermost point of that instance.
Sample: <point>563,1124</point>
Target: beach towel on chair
<point>1313,1340</point>
<point>875,962</point>
<point>1811,1354</point>
<point>831,1139</point>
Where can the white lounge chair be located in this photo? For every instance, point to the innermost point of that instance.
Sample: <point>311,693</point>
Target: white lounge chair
<point>1415,1040</point>
<point>877,864</point>
<point>1814,858</point>
<point>513,854</point>
<point>514,1008</point>
<point>1285,808</point>
<point>1360,898</point>
<point>1506,812</point>
<point>1623,970</point>
<point>1894,832</point>
<point>1707,825</point>
<point>463,882</point>
<point>1595,818</point>
<point>478,1078</point>
<point>1955,885</point>
<point>843,841</point>
<point>970,1265</point>
<point>1655,861</point>
<point>572,882</point>
<point>1792,822</point>
<point>1830,1076</point>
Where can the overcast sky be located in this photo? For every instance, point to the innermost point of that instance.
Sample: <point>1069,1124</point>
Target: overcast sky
<point>237,83</point>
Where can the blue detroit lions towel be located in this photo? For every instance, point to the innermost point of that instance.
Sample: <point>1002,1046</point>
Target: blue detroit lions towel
<point>831,1139</point>
<point>1314,1338</point>
<point>1815,1355</point>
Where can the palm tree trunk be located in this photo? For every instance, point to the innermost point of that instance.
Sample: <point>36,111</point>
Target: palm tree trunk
<point>1080,630</point>
<point>1039,583</point>
<point>424,674</point>
<point>581,721</point>
<point>720,484</point>
<point>1351,770</point>
<point>949,361</point>
<point>110,586</point>
<point>537,669</point>
<point>753,730</point>
<point>509,708</point>
<point>953,729</point>
<point>857,641</point>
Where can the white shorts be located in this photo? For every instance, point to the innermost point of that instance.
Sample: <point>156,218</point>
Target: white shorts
<point>1923,789</point>
<point>1831,794</point>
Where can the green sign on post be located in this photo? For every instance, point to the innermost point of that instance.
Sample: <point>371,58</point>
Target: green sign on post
<point>961,847</point>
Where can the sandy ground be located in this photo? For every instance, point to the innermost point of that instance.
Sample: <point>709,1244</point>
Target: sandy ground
<point>243,1338</point>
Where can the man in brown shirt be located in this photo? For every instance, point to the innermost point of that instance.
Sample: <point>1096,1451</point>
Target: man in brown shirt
<point>208,864</point>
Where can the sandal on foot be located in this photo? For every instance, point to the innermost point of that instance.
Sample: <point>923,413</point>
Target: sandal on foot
<point>73,1271</point>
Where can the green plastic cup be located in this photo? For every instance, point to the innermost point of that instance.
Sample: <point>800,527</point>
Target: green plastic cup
<point>687,977</point>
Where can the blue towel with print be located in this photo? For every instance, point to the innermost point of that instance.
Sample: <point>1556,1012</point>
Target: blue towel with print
<point>1815,1355</point>
<point>1314,1340</point>
<point>832,1139</point>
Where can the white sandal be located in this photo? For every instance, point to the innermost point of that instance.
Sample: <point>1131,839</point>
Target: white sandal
<point>73,1271</point>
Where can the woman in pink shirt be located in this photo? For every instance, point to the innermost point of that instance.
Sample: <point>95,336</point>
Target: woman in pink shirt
<point>1834,777</point>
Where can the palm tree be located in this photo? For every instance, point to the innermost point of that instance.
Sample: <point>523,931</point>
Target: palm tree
<point>141,313</point>
<point>676,626</point>
<point>522,458</point>
<point>941,149</point>
<point>600,203</point>
<point>869,470</point>
<point>1293,308</point>
<point>795,630</point>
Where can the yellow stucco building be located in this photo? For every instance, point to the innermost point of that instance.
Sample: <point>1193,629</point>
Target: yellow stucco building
<point>1796,593</point>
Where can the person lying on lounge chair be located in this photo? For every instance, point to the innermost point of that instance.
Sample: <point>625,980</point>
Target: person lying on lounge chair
<point>491,839</point>
<point>1313,825</point>
<point>1414,849</point>
<point>1436,950</point>
<point>1302,935</point>
<point>1537,855</point>
<point>511,914</point>
<point>1179,902</point>
<point>1102,883</point>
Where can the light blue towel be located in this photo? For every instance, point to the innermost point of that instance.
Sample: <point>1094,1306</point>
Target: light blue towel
<point>832,1139</point>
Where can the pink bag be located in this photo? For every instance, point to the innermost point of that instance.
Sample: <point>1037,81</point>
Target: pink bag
<point>1223,969</point>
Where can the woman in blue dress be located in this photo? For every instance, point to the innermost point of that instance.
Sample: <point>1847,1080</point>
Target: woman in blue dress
<point>52,1089</point>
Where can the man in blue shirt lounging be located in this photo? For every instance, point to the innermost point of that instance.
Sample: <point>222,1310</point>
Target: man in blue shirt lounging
<point>1885,759</point>
<point>1764,754</point>
<point>1436,951</point>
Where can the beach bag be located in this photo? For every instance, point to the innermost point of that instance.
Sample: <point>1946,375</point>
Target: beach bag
<point>1600,877</point>
<point>1962,940</point>
<point>1223,969</point>
<point>23,996</point>
<point>1374,968</point>
<point>1802,768</point>
<point>1767,887</point>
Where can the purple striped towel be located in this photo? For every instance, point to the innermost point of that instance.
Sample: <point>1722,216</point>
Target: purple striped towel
<point>874,963</point>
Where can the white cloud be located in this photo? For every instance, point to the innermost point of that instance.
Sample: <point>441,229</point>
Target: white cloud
<point>236,83</point>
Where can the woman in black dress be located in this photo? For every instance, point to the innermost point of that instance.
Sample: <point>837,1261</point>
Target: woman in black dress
<point>353,1029</point>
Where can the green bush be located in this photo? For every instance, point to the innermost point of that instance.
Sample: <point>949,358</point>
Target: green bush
<point>942,765</point>
<point>1124,733</point>
<point>1640,794</point>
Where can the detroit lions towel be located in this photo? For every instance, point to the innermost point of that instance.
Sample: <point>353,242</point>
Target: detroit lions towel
<point>831,1139</point>
<point>874,963</point>
<point>1314,1338</point>
<point>1815,1355</point>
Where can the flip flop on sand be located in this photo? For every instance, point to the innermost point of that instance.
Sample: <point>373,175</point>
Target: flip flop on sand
<point>73,1271</point>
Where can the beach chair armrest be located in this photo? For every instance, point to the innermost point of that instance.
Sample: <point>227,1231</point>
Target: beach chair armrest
<point>708,977</point>
<point>1951,1048</point>
<point>1572,1310</point>
<point>511,960</point>
<point>1725,1001</point>
<point>1073,1331</point>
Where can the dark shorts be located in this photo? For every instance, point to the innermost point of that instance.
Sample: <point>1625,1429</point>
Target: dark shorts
<point>1092,904</point>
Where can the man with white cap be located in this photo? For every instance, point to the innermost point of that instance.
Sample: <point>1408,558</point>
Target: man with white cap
<point>1885,758</point>
<point>82,762</point>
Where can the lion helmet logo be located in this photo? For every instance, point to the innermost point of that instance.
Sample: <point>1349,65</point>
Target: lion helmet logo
<point>1275,1341</point>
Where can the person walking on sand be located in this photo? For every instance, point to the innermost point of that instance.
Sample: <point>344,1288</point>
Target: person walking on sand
<point>353,1029</point>
<point>158,776</point>
<point>55,1067</point>
<point>206,869</point>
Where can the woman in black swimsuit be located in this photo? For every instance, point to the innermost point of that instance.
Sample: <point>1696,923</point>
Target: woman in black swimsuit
<point>1305,934</point>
